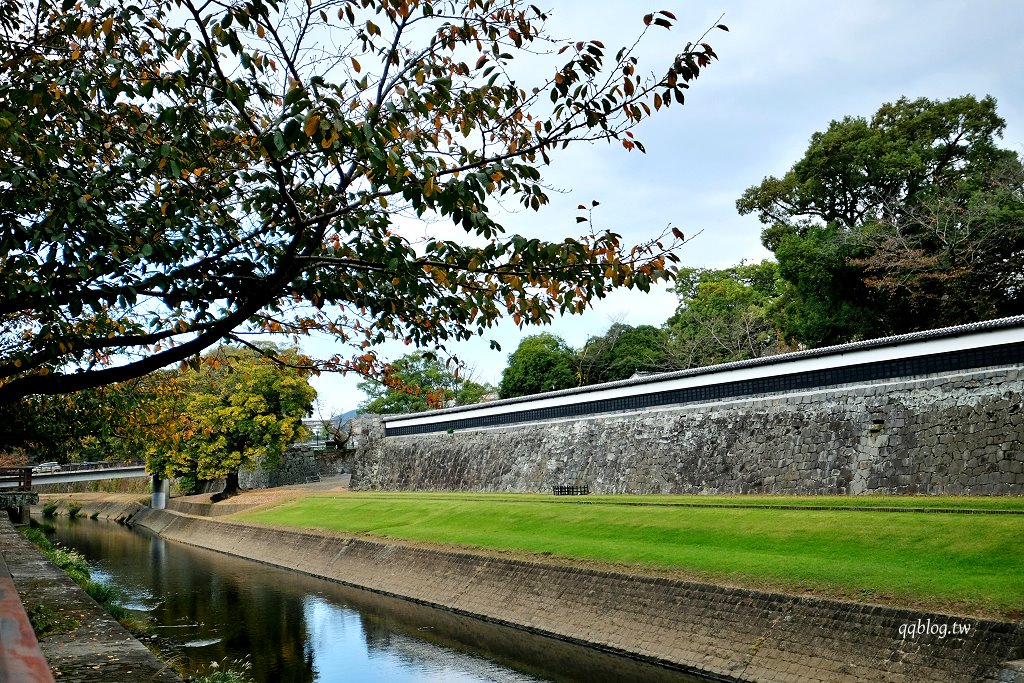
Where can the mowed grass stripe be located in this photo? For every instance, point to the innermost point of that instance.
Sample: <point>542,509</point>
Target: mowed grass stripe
<point>975,504</point>
<point>970,562</point>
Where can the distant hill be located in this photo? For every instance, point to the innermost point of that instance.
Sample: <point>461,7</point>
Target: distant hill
<point>342,418</point>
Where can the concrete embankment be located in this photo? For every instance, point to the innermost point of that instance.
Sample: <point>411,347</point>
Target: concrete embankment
<point>724,633</point>
<point>89,646</point>
<point>116,507</point>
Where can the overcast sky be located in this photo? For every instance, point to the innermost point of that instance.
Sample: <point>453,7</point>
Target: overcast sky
<point>786,69</point>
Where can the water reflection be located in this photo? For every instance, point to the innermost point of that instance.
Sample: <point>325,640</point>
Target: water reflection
<point>365,650</point>
<point>299,629</point>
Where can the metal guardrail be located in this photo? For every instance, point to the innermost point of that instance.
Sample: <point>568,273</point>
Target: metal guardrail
<point>22,478</point>
<point>104,465</point>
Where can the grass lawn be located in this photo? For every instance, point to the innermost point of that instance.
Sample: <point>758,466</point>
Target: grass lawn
<point>967,563</point>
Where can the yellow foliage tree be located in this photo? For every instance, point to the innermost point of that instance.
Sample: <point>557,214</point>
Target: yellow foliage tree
<point>237,409</point>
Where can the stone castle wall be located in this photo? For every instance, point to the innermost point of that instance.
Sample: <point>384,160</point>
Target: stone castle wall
<point>299,464</point>
<point>957,433</point>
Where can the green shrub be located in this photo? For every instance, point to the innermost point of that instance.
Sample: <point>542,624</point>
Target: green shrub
<point>72,562</point>
<point>50,508</point>
<point>101,592</point>
<point>73,509</point>
<point>108,597</point>
<point>188,484</point>
<point>38,537</point>
<point>75,565</point>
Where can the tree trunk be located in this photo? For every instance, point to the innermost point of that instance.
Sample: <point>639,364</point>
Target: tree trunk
<point>230,488</point>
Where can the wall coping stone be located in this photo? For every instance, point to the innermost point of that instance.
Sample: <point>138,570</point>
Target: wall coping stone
<point>839,349</point>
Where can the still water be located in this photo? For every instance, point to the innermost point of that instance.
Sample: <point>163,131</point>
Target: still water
<point>293,628</point>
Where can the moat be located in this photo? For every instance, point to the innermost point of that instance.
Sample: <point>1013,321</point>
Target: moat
<point>293,628</point>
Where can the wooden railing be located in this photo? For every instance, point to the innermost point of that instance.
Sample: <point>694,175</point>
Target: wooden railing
<point>21,475</point>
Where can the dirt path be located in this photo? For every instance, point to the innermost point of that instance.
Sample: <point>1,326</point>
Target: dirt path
<point>256,498</point>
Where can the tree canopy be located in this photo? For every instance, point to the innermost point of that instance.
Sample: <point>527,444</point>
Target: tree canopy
<point>105,423</point>
<point>542,362</point>
<point>175,173</point>
<point>417,382</point>
<point>621,352</point>
<point>910,220</point>
<point>725,315</point>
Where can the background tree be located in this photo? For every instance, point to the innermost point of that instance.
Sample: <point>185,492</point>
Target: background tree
<point>957,255</point>
<point>13,459</point>
<point>417,382</point>
<point>237,409</point>
<point>726,315</point>
<point>176,172</point>
<point>541,362</point>
<point>623,351</point>
<point>908,221</point>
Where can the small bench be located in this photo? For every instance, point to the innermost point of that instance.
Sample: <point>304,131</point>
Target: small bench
<point>571,490</point>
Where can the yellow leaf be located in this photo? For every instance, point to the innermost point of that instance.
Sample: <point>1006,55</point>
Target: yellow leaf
<point>312,124</point>
<point>383,202</point>
<point>260,31</point>
<point>355,65</point>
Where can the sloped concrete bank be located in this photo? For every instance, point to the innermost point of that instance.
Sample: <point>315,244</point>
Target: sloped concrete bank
<point>110,506</point>
<point>724,633</point>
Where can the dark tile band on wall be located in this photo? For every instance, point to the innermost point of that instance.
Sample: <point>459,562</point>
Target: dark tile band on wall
<point>951,361</point>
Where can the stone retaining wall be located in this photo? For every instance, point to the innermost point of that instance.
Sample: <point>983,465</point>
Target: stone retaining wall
<point>298,465</point>
<point>724,633</point>
<point>958,433</point>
